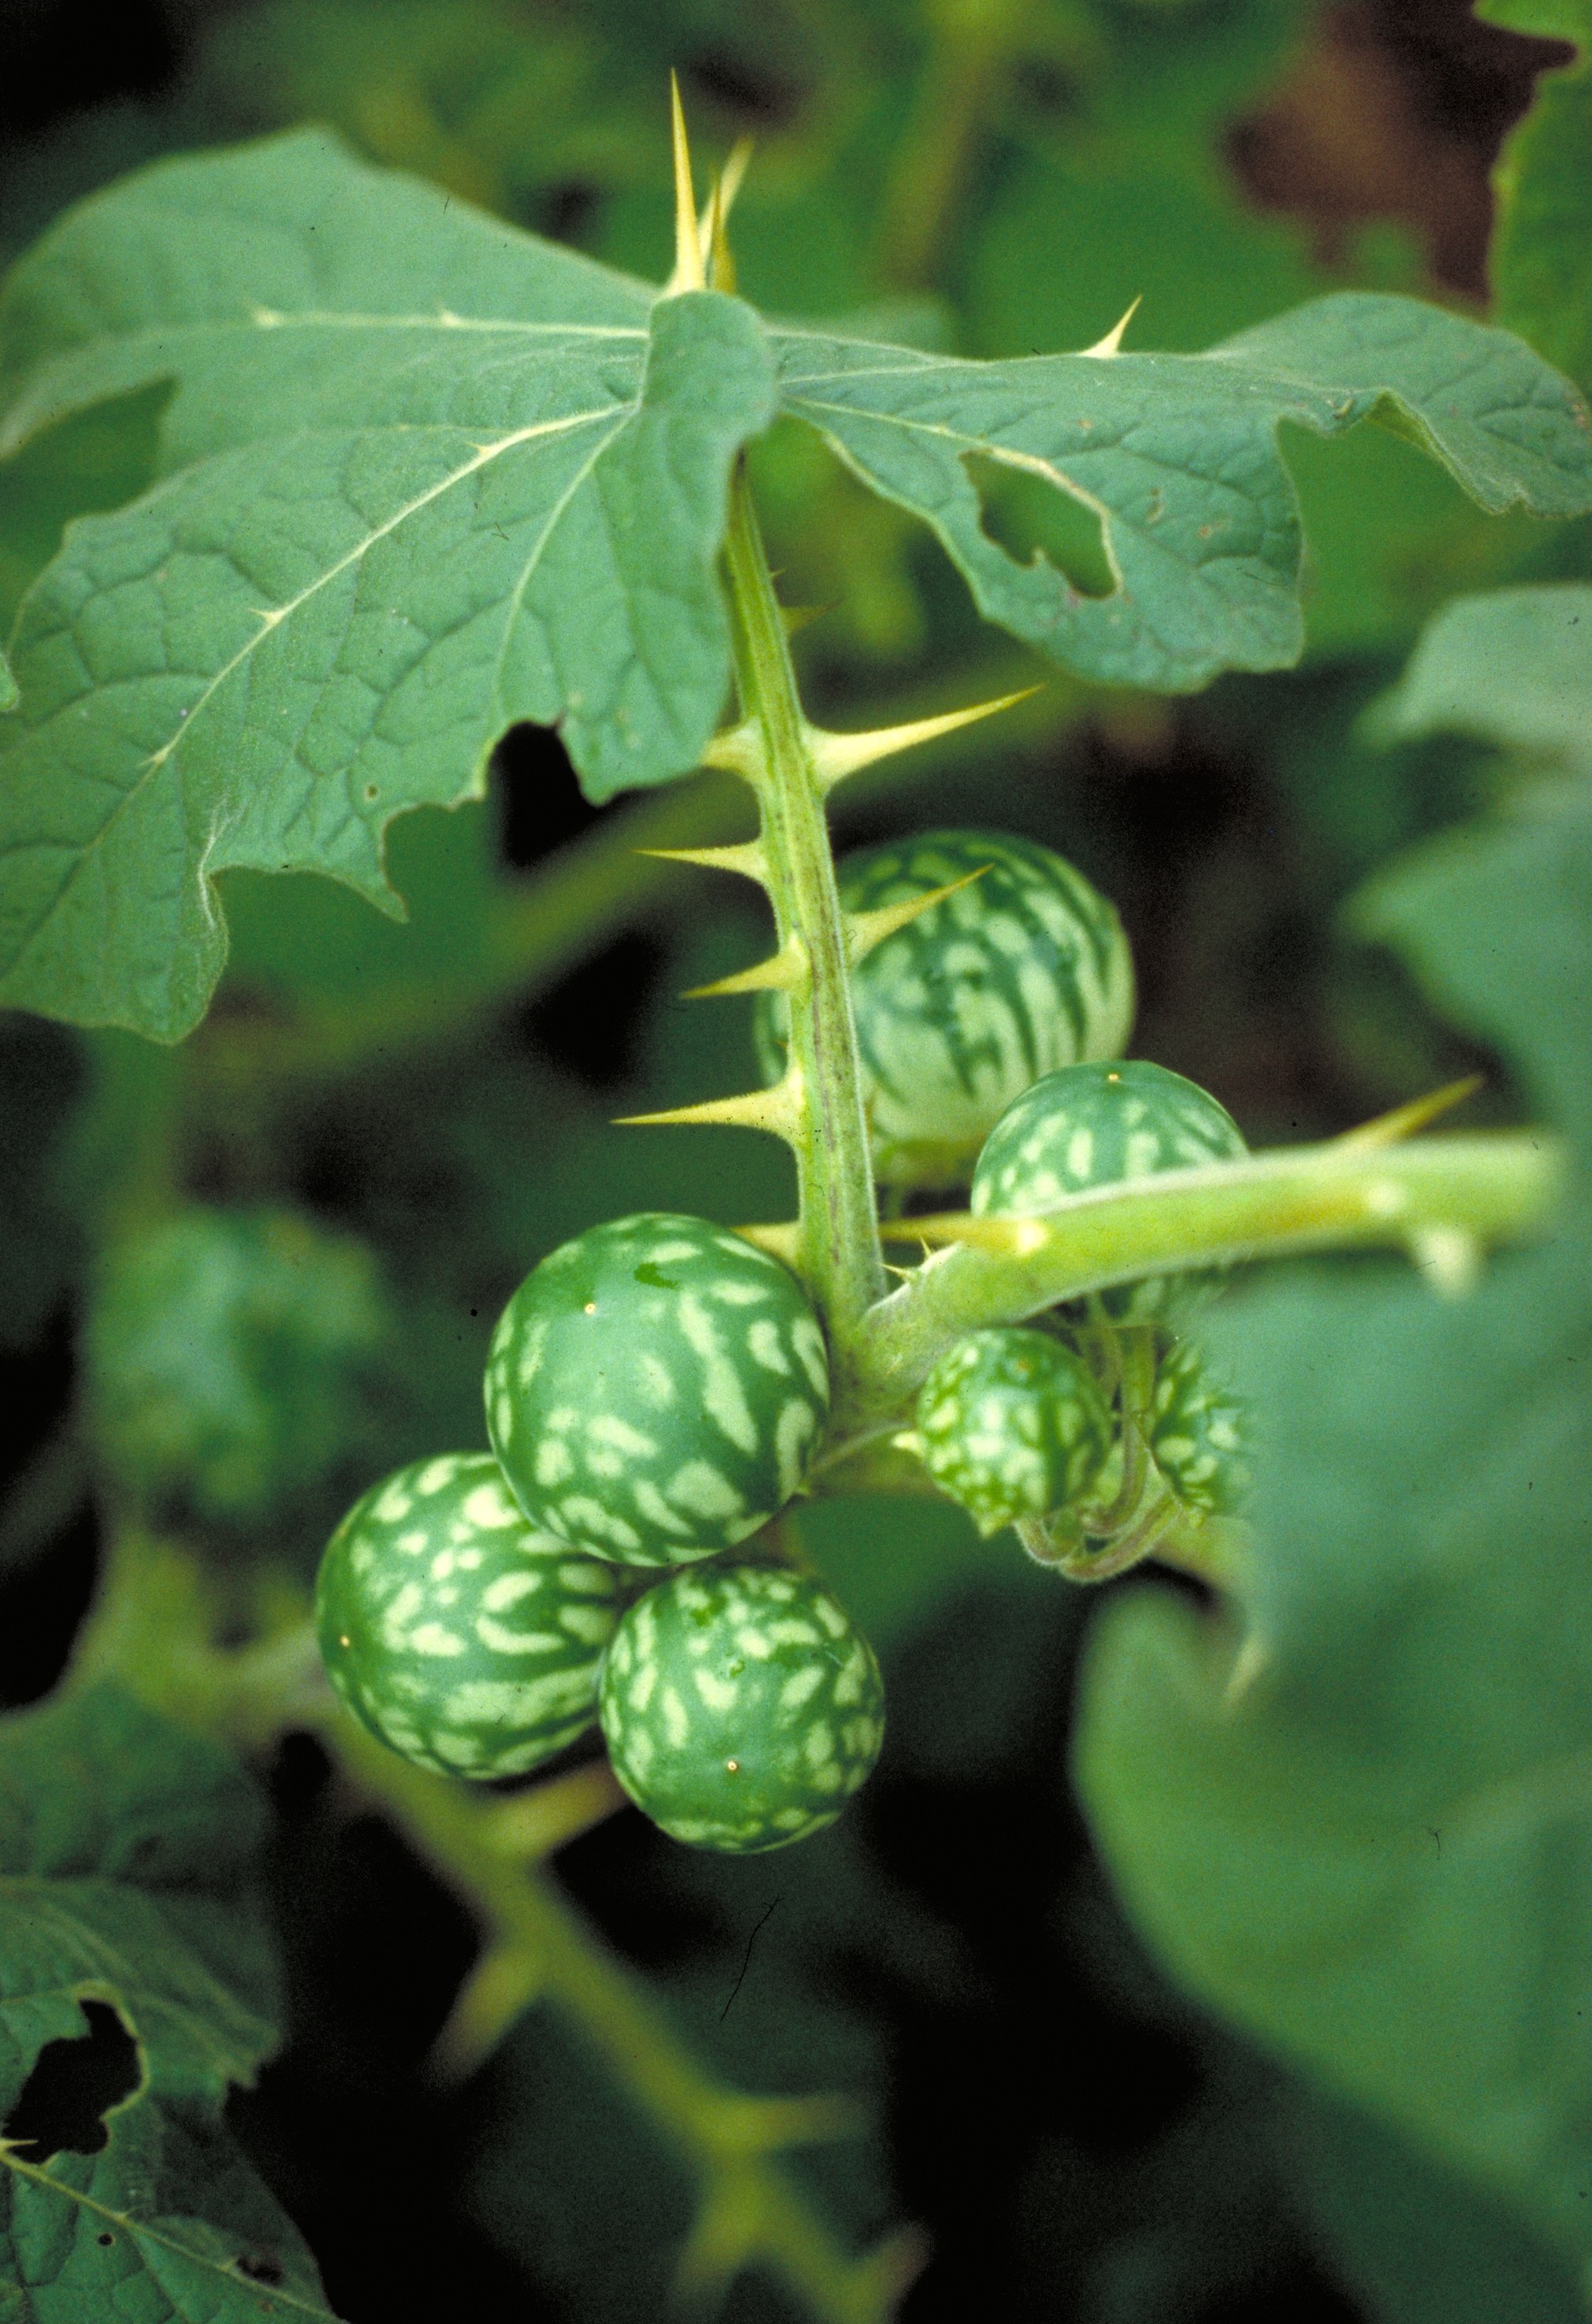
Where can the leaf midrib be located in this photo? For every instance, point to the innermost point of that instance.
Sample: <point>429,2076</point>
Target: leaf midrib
<point>619,413</point>
<point>141,2231</point>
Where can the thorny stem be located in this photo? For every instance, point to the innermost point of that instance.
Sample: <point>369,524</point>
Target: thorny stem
<point>840,1257</point>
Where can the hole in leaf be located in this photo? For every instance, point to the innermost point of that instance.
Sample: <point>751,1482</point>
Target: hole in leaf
<point>61,2108</point>
<point>260,2267</point>
<point>541,804</point>
<point>1031,518</point>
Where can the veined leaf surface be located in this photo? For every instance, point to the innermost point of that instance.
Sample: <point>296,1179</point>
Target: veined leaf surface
<point>125,1849</point>
<point>425,476</point>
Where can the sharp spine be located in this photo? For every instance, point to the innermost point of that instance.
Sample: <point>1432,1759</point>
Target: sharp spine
<point>866,930</point>
<point>1405,1120</point>
<point>778,1110</point>
<point>835,756</point>
<point>785,970</point>
<point>1111,344</point>
<point>748,859</point>
<point>689,271</point>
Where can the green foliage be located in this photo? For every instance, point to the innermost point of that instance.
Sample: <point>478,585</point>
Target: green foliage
<point>741,1708</point>
<point>127,1849</point>
<point>1011,1424</point>
<point>655,1389</point>
<point>1542,261</point>
<point>456,542</point>
<point>355,569</point>
<point>1023,970</point>
<point>234,1360</point>
<point>455,1634</point>
<point>1364,1842</point>
<point>1541,638</point>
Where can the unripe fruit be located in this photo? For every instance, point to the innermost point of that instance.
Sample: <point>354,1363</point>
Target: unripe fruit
<point>1025,970</point>
<point>741,1707</point>
<point>654,1389</point>
<point>460,1638</point>
<point>1104,1125</point>
<point>1197,1432</point>
<point>1011,1424</point>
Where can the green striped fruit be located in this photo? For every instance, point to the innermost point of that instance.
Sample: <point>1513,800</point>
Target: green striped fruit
<point>1025,970</point>
<point>654,1389</point>
<point>1101,1125</point>
<point>1197,1432</point>
<point>1011,1424</point>
<point>460,1638</point>
<point>742,1708</point>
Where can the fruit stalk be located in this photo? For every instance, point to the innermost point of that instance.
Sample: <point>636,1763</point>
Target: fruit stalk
<point>839,1254</point>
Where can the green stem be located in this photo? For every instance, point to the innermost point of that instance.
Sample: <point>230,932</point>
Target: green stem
<point>1469,1191</point>
<point>840,1257</point>
<point>730,2141</point>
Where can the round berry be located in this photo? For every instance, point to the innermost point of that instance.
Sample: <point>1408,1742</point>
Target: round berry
<point>1023,970</point>
<point>1197,1432</point>
<point>654,1389</point>
<point>458,1636</point>
<point>1011,1424</point>
<point>741,1707</point>
<point>1102,1125</point>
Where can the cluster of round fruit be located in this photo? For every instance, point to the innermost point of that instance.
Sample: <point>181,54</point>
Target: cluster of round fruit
<point>656,1388</point>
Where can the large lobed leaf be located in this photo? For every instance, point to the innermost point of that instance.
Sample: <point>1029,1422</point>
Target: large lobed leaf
<point>424,475</point>
<point>124,1864</point>
<point>1376,1851</point>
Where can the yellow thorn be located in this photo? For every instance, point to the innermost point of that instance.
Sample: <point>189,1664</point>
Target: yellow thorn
<point>835,756</point>
<point>865,930</point>
<point>738,751</point>
<point>688,273</point>
<point>1405,1120</point>
<point>782,1243</point>
<point>1111,344</point>
<point>783,971</point>
<point>748,859</point>
<point>778,1110</point>
<point>719,262</point>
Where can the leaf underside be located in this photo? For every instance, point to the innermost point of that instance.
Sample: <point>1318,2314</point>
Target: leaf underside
<point>125,1849</point>
<point>424,475</point>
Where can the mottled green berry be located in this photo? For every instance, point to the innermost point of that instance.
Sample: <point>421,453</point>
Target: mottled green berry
<point>458,1636</point>
<point>741,1707</point>
<point>1197,1434</point>
<point>654,1389</point>
<point>1011,1424</point>
<point>1025,970</point>
<point>1101,1125</point>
